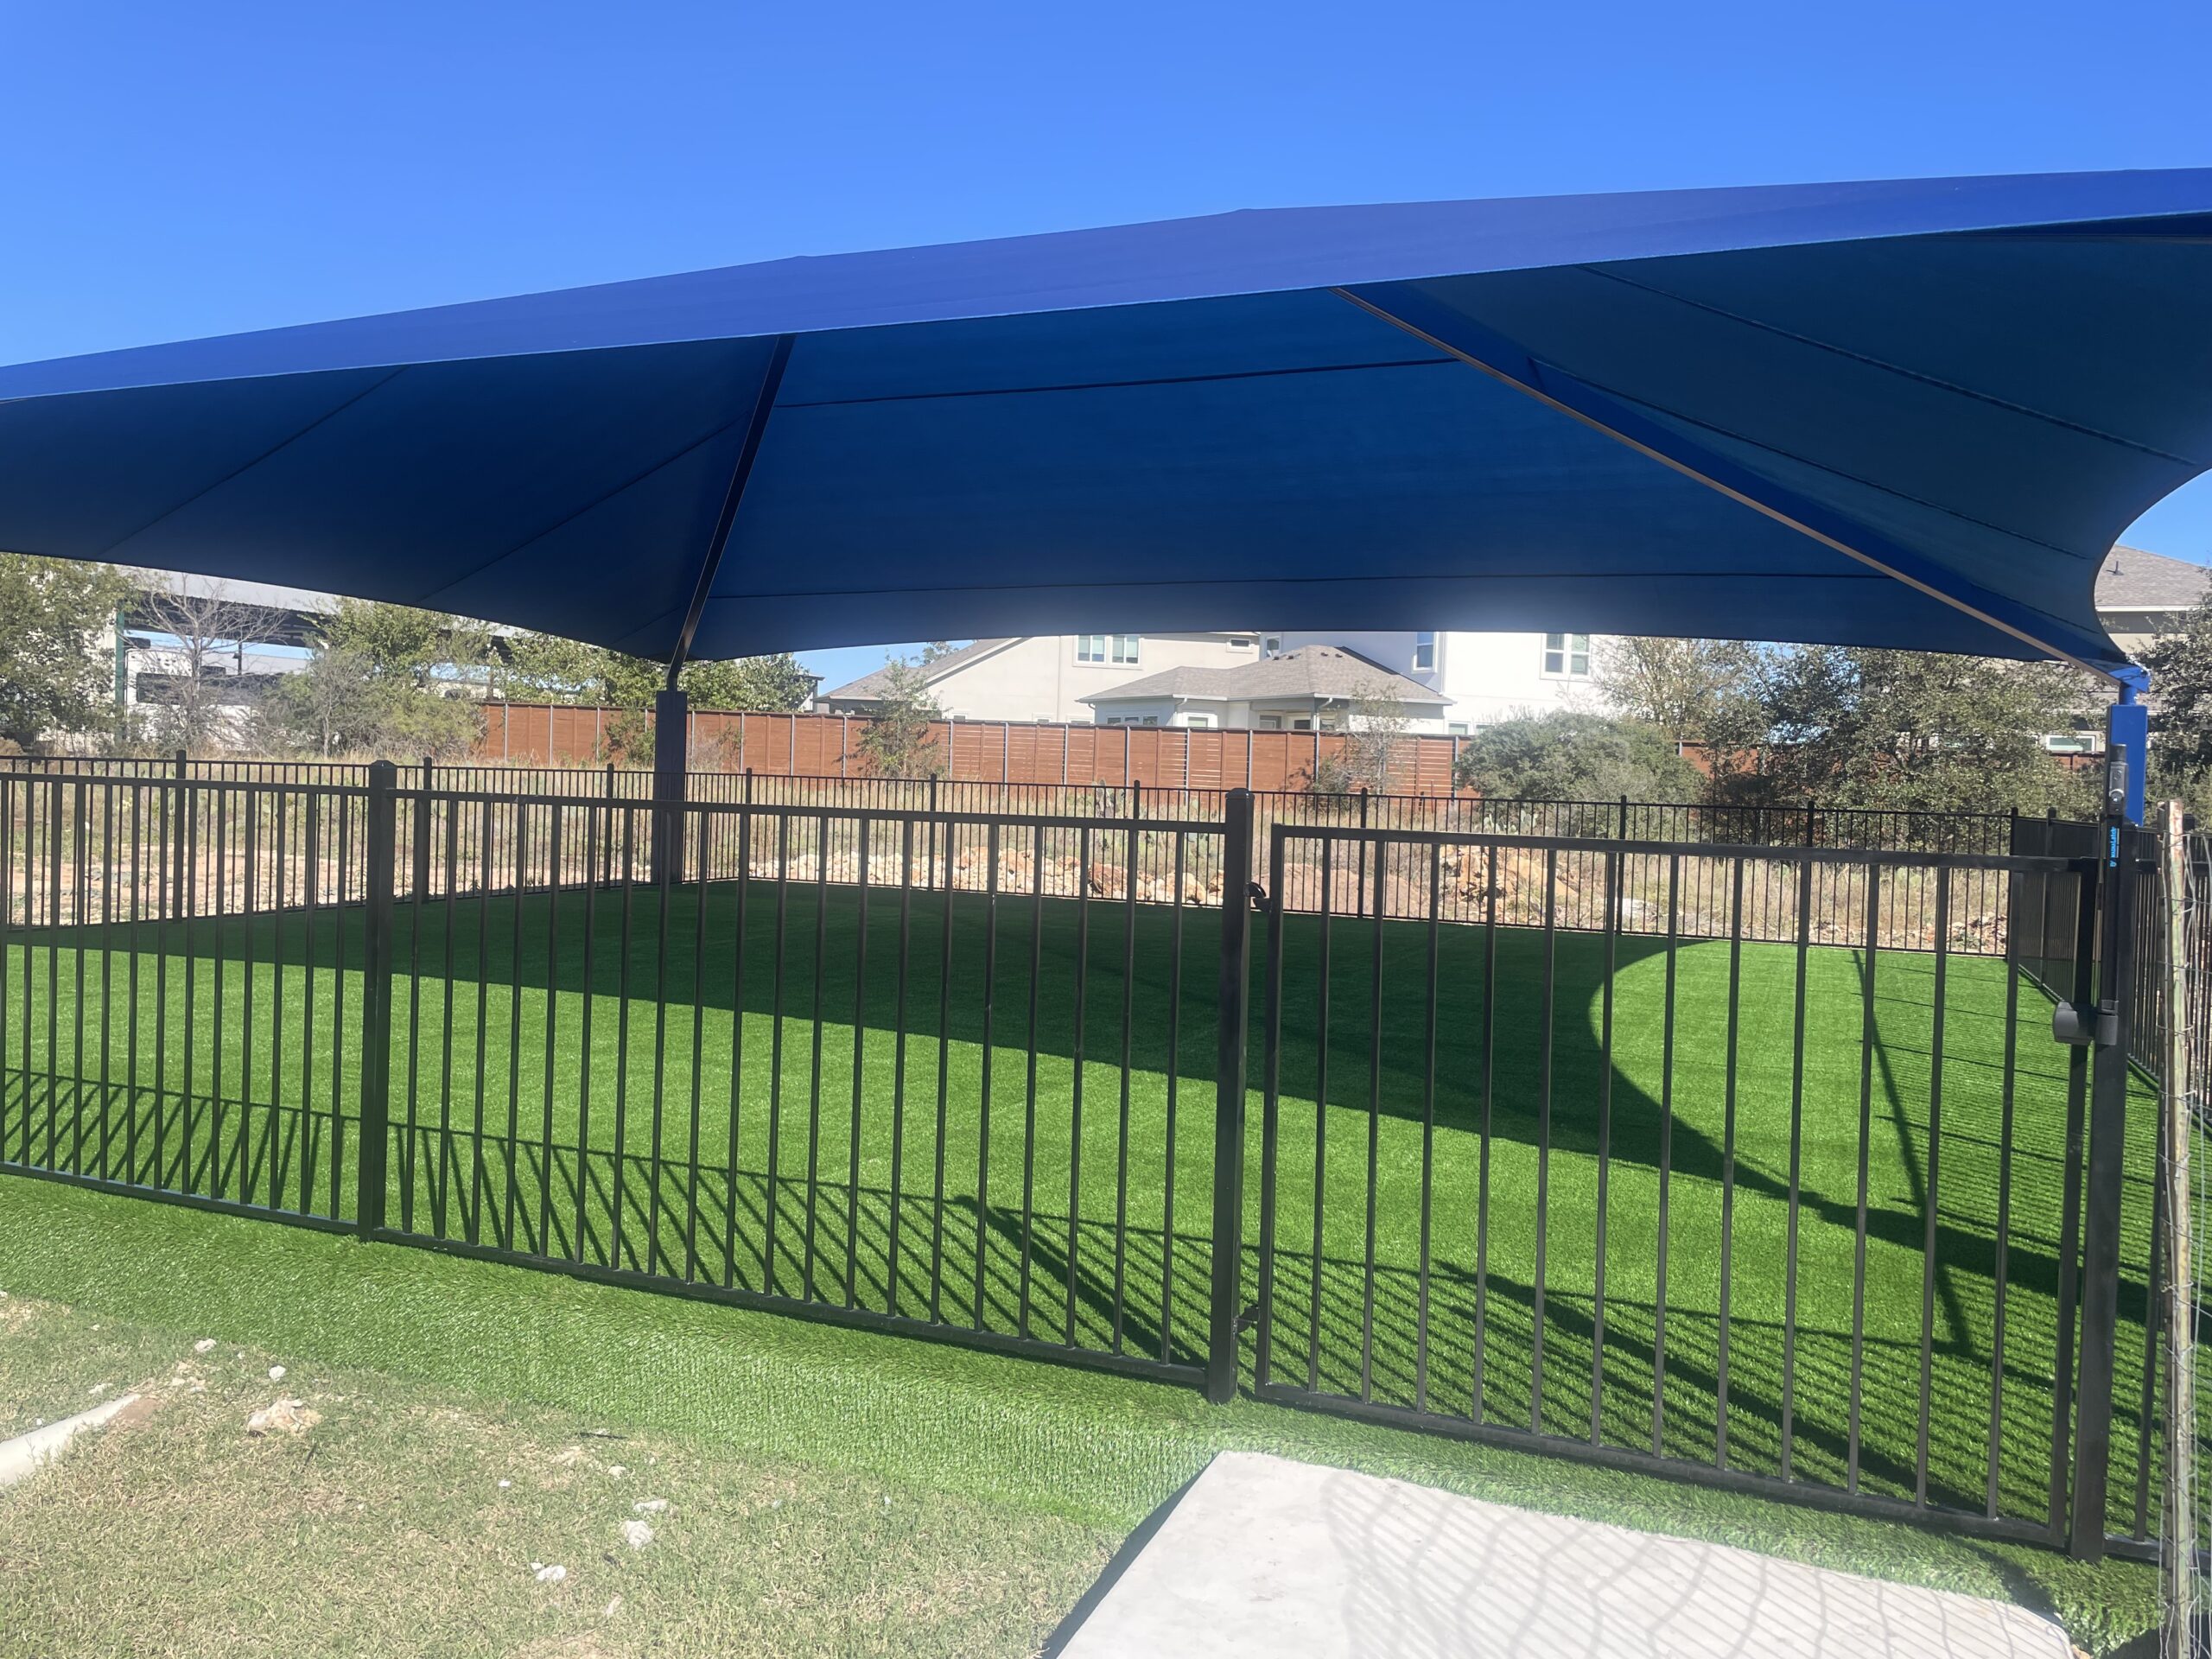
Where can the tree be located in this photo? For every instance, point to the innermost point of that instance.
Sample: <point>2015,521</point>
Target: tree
<point>1919,731</point>
<point>1702,691</point>
<point>389,680</point>
<point>2181,684</point>
<point>52,678</point>
<point>397,640</point>
<point>543,667</point>
<point>209,627</point>
<point>342,704</point>
<point>773,684</point>
<point>529,667</point>
<point>897,742</point>
<point>1569,756</point>
<point>324,709</point>
<point>1367,755</point>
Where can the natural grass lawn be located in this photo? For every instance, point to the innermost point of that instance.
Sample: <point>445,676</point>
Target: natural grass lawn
<point>409,1519</point>
<point>663,1034</point>
<point>1020,1474</point>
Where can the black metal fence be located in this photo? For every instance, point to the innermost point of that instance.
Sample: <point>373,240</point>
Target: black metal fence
<point>1804,1215</point>
<point>1807,824</point>
<point>1750,1161</point>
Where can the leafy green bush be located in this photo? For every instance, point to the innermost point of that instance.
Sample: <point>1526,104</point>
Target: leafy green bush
<point>1567,756</point>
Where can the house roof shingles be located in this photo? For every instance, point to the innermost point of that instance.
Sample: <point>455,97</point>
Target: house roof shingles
<point>1309,671</point>
<point>2133,580</point>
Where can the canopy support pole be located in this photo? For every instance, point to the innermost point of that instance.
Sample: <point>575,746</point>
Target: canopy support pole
<point>671,706</point>
<point>1405,306</point>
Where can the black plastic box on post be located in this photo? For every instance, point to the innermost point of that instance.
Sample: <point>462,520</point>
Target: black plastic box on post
<point>672,722</point>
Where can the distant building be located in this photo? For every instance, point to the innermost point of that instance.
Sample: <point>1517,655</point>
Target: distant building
<point>2141,595</point>
<point>1310,687</point>
<point>1453,682</point>
<point>1047,676</point>
<point>1480,678</point>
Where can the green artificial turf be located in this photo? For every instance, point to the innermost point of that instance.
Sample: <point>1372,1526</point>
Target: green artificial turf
<point>998,1436</point>
<point>937,1176</point>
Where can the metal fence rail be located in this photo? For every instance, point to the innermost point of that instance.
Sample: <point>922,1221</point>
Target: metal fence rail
<point>1807,824</point>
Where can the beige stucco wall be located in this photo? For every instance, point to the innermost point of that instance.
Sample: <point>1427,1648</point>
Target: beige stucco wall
<point>1489,677</point>
<point>1039,678</point>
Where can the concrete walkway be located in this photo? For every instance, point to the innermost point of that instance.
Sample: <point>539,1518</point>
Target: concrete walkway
<point>1267,1559</point>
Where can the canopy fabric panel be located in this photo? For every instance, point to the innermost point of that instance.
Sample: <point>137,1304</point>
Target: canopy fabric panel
<point>1907,414</point>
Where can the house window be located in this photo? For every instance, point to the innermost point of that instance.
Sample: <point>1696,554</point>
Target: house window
<point>1458,728</point>
<point>1106,648</point>
<point>1201,723</point>
<point>1271,644</point>
<point>1424,652</point>
<point>1271,722</point>
<point>1240,644</point>
<point>1301,724</point>
<point>1566,656</point>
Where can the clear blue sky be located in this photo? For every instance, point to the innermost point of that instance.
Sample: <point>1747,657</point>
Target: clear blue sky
<point>178,170</point>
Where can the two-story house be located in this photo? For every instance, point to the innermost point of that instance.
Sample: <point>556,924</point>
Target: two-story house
<point>1047,676</point>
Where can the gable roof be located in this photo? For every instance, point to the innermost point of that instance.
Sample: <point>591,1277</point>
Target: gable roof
<point>878,681</point>
<point>2135,580</point>
<point>1328,672</point>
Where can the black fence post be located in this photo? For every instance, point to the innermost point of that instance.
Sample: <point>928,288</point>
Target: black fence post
<point>1361,898</point>
<point>1623,834</point>
<point>419,885</point>
<point>1810,823</point>
<point>671,718</point>
<point>177,834</point>
<point>932,883</point>
<point>1226,1320</point>
<point>383,831</point>
<point>606,871</point>
<point>2117,852</point>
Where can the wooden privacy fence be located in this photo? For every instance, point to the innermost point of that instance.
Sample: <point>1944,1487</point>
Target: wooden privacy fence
<point>976,751</point>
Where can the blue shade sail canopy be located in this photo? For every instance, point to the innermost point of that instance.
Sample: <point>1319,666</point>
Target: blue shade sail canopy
<point>1911,414</point>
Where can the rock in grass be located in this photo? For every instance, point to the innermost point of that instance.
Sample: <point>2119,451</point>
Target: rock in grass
<point>551,1574</point>
<point>649,1506</point>
<point>636,1534</point>
<point>206,1344</point>
<point>282,1416</point>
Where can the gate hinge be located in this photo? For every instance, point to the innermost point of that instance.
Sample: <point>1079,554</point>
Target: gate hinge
<point>2078,1026</point>
<point>1248,1319</point>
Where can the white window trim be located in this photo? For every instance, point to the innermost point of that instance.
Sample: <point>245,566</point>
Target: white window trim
<point>1566,654</point>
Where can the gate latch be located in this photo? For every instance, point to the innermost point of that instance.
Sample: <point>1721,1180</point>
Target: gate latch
<point>2078,1026</point>
<point>1257,894</point>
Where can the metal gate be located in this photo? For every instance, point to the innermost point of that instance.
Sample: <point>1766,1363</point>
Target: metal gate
<point>1754,1165</point>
